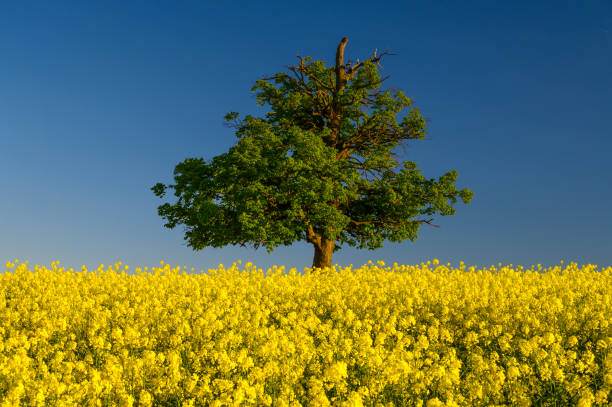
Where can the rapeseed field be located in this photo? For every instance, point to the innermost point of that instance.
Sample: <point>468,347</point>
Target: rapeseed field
<point>423,335</point>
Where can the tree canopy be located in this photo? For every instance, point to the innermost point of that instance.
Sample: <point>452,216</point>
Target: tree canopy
<point>319,167</point>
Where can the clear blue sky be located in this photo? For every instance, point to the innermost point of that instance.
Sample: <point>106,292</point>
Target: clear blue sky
<point>100,100</point>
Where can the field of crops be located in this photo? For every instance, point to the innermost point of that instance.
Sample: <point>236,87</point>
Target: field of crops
<point>423,335</point>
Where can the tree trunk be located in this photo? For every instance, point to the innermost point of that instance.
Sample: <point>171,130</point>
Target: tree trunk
<point>336,107</point>
<point>323,253</point>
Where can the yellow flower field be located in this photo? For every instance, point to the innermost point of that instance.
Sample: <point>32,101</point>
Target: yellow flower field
<point>424,335</point>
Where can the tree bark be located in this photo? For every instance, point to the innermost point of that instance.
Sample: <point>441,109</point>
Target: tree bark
<point>335,112</point>
<point>323,253</point>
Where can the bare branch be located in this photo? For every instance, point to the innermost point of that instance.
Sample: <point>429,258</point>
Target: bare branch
<point>375,59</point>
<point>385,78</point>
<point>309,74</point>
<point>275,76</point>
<point>384,222</point>
<point>340,69</point>
<point>429,222</point>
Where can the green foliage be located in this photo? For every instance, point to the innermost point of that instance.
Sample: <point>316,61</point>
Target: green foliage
<point>321,158</point>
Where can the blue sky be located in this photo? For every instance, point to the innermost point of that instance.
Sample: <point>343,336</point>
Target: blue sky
<point>100,100</point>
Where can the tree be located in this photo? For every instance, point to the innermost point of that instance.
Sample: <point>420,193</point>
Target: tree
<point>318,167</point>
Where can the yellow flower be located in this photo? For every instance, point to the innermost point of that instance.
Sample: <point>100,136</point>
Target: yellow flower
<point>146,400</point>
<point>435,402</point>
<point>586,400</point>
<point>434,333</point>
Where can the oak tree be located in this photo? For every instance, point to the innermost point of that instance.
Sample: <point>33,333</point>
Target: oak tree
<point>318,167</point>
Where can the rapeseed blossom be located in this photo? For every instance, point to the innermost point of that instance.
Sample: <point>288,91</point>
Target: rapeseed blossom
<point>418,335</point>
